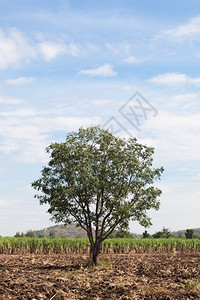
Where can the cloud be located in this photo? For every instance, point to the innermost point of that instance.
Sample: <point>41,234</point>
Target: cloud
<point>9,100</point>
<point>25,139</point>
<point>105,71</point>
<point>121,48</point>
<point>63,123</point>
<point>101,101</point>
<point>134,60</point>
<point>187,102</point>
<point>173,79</point>
<point>184,97</point>
<point>131,60</point>
<point>19,113</point>
<point>129,88</point>
<point>174,137</point>
<point>14,48</point>
<point>50,49</point>
<point>187,30</point>
<point>20,80</point>
<point>3,203</point>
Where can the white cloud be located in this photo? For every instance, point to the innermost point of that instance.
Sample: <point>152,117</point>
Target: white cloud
<point>131,60</point>
<point>129,87</point>
<point>184,97</point>
<point>187,30</point>
<point>9,100</point>
<point>101,101</point>
<point>134,60</point>
<point>71,123</point>
<point>25,139</point>
<point>187,102</point>
<point>174,79</point>
<point>19,113</point>
<point>105,71</point>
<point>20,80</point>
<point>14,48</point>
<point>3,203</point>
<point>50,49</point>
<point>195,80</point>
<point>175,137</point>
<point>121,48</point>
<point>73,49</point>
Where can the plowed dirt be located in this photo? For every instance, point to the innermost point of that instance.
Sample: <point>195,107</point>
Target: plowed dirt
<point>135,276</point>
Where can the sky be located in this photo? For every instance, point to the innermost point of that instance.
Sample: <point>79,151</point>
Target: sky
<point>130,66</point>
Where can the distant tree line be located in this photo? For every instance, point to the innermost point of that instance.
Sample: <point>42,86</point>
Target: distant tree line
<point>31,234</point>
<point>164,233</point>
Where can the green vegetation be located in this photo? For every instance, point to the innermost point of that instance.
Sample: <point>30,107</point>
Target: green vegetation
<point>73,231</point>
<point>12,245</point>
<point>189,234</point>
<point>29,233</point>
<point>121,234</point>
<point>52,235</point>
<point>99,182</point>
<point>183,232</point>
<point>165,233</point>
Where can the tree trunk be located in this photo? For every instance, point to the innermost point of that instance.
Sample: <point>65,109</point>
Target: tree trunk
<point>94,252</point>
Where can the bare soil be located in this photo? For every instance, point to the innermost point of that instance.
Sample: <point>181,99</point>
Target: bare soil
<point>135,276</point>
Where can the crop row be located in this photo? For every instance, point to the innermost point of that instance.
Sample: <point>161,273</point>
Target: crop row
<point>9,245</point>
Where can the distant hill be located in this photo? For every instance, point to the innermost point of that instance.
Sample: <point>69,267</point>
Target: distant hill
<point>69,231</point>
<point>72,231</point>
<point>177,233</point>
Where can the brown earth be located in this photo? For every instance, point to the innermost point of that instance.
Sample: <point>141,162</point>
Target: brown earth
<point>135,276</point>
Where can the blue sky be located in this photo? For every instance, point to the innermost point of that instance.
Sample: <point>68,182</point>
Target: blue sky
<point>66,64</point>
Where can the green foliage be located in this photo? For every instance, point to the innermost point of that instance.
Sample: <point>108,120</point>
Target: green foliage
<point>146,235</point>
<point>52,234</point>
<point>121,234</point>
<point>30,233</point>
<point>99,182</point>
<point>189,234</point>
<point>196,236</point>
<point>181,236</point>
<point>165,233</point>
<point>18,234</point>
<point>182,232</point>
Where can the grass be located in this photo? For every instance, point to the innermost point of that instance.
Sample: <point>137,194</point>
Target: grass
<point>193,285</point>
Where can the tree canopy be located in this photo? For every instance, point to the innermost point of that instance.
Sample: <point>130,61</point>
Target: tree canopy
<point>99,182</point>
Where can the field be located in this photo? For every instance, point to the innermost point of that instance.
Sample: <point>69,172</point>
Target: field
<point>81,245</point>
<point>142,271</point>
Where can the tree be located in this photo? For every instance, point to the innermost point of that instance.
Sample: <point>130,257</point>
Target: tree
<point>100,182</point>
<point>18,234</point>
<point>157,235</point>
<point>146,235</point>
<point>189,234</point>
<point>52,234</point>
<point>181,236</point>
<point>30,233</point>
<point>121,234</point>
<point>165,233</point>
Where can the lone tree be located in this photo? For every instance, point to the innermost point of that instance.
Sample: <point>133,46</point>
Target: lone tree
<point>99,182</point>
<point>189,233</point>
